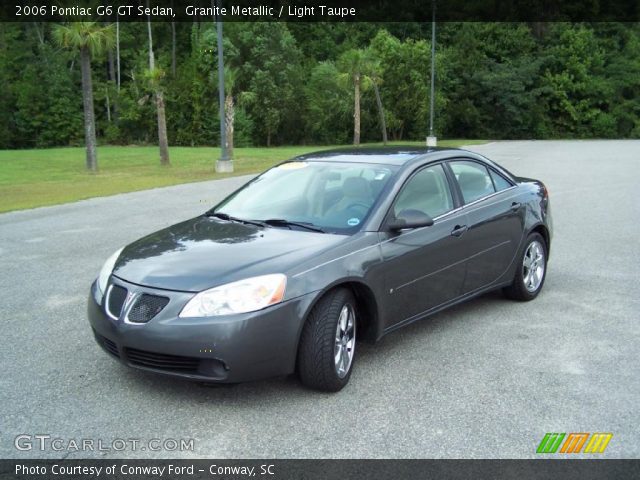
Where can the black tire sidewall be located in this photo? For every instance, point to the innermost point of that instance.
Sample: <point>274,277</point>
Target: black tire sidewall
<point>316,365</point>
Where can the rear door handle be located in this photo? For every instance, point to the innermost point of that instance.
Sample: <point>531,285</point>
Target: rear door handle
<point>515,206</point>
<point>459,230</point>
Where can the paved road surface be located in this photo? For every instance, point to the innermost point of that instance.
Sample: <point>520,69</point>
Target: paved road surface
<point>485,379</point>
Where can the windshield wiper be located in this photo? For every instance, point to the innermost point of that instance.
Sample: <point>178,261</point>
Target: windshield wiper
<point>226,216</point>
<point>281,222</point>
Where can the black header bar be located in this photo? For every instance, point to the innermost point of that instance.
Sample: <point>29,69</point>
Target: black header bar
<point>322,10</point>
<point>582,469</point>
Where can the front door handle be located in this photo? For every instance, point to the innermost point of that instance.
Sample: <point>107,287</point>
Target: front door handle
<point>515,206</point>
<point>459,230</point>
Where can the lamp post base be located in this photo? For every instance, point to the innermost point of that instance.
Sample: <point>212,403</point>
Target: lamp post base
<point>432,141</point>
<point>224,166</point>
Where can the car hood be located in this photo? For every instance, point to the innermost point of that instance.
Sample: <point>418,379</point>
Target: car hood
<point>205,252</point>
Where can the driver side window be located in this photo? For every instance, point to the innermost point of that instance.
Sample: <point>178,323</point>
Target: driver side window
<point>427,191</point>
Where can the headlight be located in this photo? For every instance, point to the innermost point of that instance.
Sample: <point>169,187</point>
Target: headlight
<point>238,297</point>
<point>106,270</point>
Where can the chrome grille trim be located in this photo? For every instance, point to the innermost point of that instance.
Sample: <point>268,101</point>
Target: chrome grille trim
<point>107,298</point>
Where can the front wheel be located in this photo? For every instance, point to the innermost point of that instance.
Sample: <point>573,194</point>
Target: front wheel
<point>328,342</point>
<point>531,270</point>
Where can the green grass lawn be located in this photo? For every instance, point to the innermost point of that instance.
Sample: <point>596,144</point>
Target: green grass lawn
<point>34,178</point>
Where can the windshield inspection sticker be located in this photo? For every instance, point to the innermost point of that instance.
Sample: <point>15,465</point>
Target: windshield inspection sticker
<point>352,222</point>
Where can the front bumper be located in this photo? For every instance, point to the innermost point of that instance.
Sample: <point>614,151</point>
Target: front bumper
<point>227,349</point>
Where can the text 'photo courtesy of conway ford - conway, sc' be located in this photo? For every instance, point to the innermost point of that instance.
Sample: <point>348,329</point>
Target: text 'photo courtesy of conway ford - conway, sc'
<point>290,271</point>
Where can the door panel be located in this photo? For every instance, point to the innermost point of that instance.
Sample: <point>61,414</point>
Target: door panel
<point>496,222</point>
<point>424,268</point>
<point>495,231</point>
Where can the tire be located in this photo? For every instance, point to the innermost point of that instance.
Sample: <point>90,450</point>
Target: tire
<point>329,334</point>
<point>528,281</point>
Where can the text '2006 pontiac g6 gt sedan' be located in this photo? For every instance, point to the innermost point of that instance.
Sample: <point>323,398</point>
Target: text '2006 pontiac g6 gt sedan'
<point>287,272</point>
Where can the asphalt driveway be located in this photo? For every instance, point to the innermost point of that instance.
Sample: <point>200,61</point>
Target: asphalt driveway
<point>485,379</point>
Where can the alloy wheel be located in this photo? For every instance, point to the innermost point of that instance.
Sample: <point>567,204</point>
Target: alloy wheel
<point>533,266</point>
<point>345,343</point>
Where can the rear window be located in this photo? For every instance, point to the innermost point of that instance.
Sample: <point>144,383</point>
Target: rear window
<point>474,180</point>
<point>499,181</point>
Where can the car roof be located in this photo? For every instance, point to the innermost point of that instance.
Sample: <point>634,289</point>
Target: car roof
<point>390,155</point>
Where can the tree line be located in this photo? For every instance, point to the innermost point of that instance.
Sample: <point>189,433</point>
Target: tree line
<point>315,83</point>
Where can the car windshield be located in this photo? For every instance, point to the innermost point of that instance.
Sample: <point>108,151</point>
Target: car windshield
<point>333,197</point>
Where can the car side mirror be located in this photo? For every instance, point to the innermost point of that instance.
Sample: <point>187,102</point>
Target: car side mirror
<point>410,218</point>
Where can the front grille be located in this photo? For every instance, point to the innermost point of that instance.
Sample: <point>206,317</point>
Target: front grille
<point>107,344</point>
<point>146,307</point>
<point>115,300</point>
<point>161,361</point>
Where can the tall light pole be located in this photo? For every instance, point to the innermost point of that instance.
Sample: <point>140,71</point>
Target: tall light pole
<point>224,163</point>
<point>432,139</point>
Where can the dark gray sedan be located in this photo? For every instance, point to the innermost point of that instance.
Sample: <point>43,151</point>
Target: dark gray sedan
<point>288,271</point>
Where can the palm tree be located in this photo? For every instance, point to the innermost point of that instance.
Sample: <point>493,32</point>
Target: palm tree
<point>91,39</point>
<point>154,75</point>
<point>374,74</point>
<point>355,65</point>
<point>230,76</point>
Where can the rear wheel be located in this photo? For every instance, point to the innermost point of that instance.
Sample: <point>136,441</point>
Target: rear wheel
<point>328,342</point>
<point>531,271</point>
